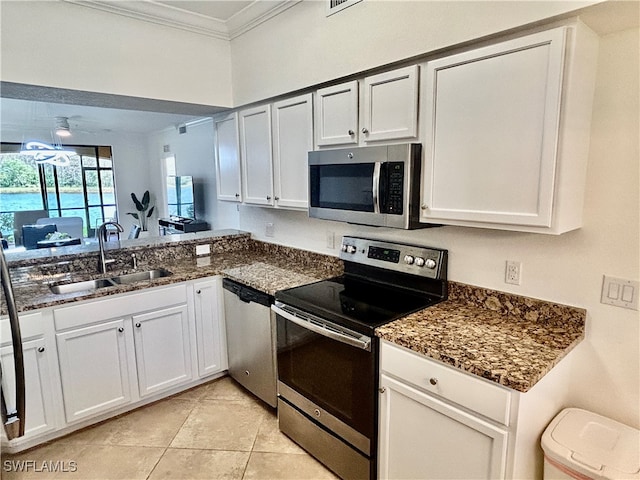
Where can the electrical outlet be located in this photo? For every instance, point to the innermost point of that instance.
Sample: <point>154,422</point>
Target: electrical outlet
<point>620,292</point>
<point>203,249</point>
<point>512,272</point>
<point>331,240</point>
<point>269,229</point>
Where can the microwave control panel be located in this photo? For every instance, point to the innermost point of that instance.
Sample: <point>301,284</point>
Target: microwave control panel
<point>395,187</point>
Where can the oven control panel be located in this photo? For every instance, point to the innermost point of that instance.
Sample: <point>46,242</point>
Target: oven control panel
<point>424,261</point>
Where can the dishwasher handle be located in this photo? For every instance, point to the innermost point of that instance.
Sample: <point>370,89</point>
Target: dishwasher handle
<point>323,327</point>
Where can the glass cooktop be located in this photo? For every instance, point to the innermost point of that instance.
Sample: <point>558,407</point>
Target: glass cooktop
<point>355,303</point>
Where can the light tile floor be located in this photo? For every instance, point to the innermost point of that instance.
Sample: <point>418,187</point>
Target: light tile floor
<point>214,431</point>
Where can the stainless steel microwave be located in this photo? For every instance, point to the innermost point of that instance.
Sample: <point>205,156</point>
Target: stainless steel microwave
<point>377,186</point>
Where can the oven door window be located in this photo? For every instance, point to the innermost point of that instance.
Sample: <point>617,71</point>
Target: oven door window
<point>342,187</point>
<point>337,377</point>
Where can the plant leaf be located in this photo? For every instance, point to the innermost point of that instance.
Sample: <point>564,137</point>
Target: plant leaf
<point>134,215</point>
<point>145,200</point>
<point>150,212</point>
<point>137,203</point>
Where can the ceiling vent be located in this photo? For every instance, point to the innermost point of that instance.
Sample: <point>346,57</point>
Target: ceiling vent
<point>335,6</point>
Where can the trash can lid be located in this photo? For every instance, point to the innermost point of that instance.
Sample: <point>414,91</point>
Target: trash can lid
<point>593,445</point>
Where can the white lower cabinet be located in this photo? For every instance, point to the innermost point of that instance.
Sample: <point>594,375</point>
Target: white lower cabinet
<point>210,326</point>
<point>425,433</point>
<point>424,437</point>
<point>39,366</point>
<point>163,349</point>
<point>95,368</point>
<point>90,360</point>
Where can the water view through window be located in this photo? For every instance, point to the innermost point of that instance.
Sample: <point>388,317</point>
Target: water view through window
<point>84,189</point>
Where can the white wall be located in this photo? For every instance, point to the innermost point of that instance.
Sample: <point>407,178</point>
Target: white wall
<point>194,155</point>
<point>302,47</point>
<point>130,163</point>
<point>567,269</point>
<point>58,44</point>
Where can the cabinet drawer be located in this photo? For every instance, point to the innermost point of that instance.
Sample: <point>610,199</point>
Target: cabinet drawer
<point>119,306</point>
<point>469,391</point>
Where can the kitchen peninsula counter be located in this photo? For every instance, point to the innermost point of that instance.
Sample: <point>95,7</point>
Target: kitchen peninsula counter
<point>508,339</point>
<point>267,267</point>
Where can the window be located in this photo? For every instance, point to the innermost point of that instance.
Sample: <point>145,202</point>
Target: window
<point>85,188</point>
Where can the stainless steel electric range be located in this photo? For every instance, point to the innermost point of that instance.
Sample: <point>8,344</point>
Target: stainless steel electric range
<point>327,352</point>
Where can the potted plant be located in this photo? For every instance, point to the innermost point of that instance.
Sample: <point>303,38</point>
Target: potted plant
<point>142,206</point>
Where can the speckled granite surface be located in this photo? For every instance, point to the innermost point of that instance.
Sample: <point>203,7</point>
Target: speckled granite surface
<point>266,267</point>
<point>509,339</point>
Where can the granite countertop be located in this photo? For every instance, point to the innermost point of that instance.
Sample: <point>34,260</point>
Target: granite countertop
<point>266,267</point>
<point>508,339</point>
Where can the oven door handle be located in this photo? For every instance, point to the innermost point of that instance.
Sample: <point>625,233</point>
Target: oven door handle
<point>362,342</point>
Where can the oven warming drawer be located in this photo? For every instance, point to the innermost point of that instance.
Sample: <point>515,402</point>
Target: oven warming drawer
<point>346,462</point>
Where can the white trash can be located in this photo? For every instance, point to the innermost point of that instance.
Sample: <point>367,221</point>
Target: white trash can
<point>582,445</point>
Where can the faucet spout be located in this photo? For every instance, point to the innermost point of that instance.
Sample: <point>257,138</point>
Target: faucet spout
<point>102,230</point>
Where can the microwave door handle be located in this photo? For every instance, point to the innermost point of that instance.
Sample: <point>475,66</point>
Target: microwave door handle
<point>376,187</point>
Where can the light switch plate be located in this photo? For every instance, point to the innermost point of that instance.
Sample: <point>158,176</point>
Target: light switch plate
<point>620,292</point>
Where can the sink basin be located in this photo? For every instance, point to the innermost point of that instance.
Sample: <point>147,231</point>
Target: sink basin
<point>82,286</point>
<point>140,276</point>
<point>109,282</point>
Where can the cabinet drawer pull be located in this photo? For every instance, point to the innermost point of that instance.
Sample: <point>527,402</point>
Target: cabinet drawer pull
<point>198,291</point>
<point>268,197</point>
<point>237,195</point>
<point>246,372</point>
<point>351,132</point>
<point>382,389</point>
<point>138,325</point>
<point>277,198</point>
<point>120,329</point>
<point>365,131</point>
<point>41,349</point>
<point>433,381</point>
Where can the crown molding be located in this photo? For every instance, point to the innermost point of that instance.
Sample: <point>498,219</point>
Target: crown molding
<point>255,14</point>
<point>166,15</point>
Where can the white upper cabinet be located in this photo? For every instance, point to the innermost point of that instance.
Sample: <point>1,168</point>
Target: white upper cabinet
<point>292,140</point>
<point>390,107</point>
<point>227,152</point>
<point>255,149</point>
<point>337,114</point>
<point>507,133</point>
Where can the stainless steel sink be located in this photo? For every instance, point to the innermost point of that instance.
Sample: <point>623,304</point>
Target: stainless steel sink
<point>126,279</point>
<point>81,286</point>
<point>140,276</point>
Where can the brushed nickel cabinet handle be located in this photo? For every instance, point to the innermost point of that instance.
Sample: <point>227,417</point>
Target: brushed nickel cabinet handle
<point>41,349</point>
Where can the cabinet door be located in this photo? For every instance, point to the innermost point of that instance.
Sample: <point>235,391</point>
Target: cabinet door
<point>255,147</point>
<point>95,368</point>
<point>491,132</point>
<point>292,141</point>
<point>210,333</point>
<point>391,105</point>
<point>422,437</point>
<point>163,349</point>
<point>337,114</point>
<point>227,151</point>
<point>38,389</point>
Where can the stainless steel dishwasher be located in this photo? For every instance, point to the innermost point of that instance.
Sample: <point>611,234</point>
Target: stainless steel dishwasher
<point>251,336</point>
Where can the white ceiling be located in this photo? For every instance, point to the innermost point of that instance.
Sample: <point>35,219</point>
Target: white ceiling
<point>220,10</point>
<point>26,117</point>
